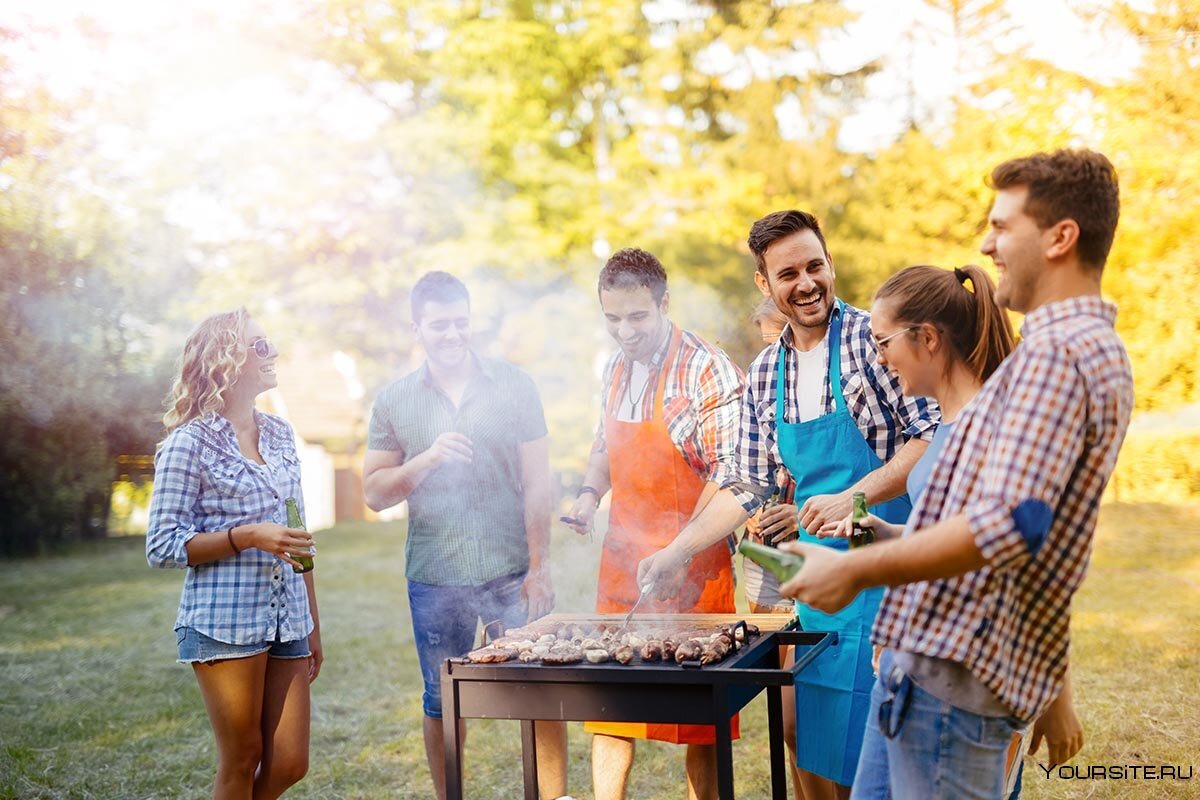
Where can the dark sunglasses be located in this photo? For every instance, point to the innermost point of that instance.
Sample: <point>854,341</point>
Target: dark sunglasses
<point>262,347</point>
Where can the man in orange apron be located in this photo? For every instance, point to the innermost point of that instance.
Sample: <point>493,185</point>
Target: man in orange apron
<point>668,425</point>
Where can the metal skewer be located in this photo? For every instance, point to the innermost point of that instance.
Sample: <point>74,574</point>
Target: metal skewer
<point>645,591</point>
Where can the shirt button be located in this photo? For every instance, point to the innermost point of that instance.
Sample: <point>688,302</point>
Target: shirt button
<point>272,605</point>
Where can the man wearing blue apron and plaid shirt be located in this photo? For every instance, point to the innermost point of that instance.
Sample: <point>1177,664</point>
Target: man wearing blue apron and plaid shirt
<point>817,402</point>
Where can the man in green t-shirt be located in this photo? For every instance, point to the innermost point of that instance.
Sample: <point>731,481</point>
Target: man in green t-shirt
<point>463,440</point>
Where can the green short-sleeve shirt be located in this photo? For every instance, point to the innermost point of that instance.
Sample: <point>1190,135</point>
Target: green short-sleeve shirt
<point>466,521</point>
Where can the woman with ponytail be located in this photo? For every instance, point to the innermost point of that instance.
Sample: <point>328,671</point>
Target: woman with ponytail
<point>247,621</point>
<point>943,334</point>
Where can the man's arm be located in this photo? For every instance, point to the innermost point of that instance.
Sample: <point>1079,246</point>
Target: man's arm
<point>722,514</point>
<point>535,483</point>
<point>389,479</point>
<point>583,511</point>
<point>880,485</point>
<point>830,579</point>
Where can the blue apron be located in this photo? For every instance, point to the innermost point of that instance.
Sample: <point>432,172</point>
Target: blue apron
<point>827,455</point>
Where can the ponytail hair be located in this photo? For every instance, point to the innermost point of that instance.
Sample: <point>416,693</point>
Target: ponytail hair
<point>961,304</point>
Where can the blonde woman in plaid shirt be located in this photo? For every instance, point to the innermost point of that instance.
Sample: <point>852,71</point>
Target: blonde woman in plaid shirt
<point>247,622</point>
<point>999,541</point>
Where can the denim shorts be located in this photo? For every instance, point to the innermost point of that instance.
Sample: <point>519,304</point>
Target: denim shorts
<point>444,620</point>
<point>195,646</point>
<point>918,747</point>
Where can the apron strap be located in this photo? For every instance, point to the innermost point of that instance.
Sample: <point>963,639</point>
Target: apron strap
<point>614,405</point>
<point>835,357</point>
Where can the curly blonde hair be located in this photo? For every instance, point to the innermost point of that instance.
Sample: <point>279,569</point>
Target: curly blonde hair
<point>213,357</point>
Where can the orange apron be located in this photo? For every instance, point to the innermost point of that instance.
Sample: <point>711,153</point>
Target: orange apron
<point>654,492</point>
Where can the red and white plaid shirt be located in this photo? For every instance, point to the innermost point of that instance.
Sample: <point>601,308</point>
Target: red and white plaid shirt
<point>701,401</point>
<point>1027,463</point>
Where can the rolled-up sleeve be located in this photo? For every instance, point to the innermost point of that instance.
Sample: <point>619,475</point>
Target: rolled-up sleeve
<point>172,503</point>
<point>719,385</point>
<point>750,473</point>
<point>1031,458</point>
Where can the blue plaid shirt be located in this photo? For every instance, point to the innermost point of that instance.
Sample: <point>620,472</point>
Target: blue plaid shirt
<point>885,417</point>
<point>202,484</point>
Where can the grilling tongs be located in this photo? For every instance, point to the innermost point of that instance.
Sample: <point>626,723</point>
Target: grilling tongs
<point>645,591</point>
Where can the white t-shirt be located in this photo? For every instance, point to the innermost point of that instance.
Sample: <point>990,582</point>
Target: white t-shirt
<point>810,381</point>
<point>638,392</point>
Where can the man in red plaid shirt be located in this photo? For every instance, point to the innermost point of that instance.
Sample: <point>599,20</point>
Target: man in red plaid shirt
<point>976,624</point>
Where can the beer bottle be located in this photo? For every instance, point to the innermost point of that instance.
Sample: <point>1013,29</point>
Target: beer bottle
<point>780,564</point>
<point>294,521</point>
<point>860,535</point>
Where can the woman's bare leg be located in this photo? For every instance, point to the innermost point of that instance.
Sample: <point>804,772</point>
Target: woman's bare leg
<point>285,727</point>
<point>233,694</point>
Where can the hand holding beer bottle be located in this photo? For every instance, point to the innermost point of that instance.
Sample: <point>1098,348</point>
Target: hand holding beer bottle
<point>861,534</point>
<point>305,560</point>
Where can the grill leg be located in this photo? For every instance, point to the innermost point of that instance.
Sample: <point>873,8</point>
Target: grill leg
<point>775,736</point>
<point>452,742</point>
<point>529,759</point>
<point>724,742</point>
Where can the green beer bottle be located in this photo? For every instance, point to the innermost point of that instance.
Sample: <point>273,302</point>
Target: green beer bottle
<point>780,564</point>
<point>294,521</point>
<point>861,535</point>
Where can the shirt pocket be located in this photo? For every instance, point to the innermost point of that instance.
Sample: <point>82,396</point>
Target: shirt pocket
<point>681,422</point>
<point>289,466</point>
<point>231,477</point>
<point>855,394</point>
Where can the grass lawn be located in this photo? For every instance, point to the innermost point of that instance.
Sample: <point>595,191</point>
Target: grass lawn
<point>93,705</point>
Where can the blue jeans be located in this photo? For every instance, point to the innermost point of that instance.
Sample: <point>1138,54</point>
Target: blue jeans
<point>930,750</point>
<point>444,619</point>
<point>195,646</point>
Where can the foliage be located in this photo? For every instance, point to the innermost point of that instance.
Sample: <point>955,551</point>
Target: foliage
<point>74,391</point>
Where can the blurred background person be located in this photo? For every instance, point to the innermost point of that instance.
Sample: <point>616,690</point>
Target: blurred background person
<point>463,440</point>
<point>247,619</point>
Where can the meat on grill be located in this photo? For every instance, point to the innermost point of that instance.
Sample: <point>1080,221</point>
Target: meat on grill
<point>492,655</point>
<point>561,643</point>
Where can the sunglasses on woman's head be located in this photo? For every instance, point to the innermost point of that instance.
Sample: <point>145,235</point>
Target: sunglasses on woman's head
<point>261,347</point>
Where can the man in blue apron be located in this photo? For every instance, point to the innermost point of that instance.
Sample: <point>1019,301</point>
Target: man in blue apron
<point>817,402</point>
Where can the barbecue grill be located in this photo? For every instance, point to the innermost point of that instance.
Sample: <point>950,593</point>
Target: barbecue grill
<point>637,692</point>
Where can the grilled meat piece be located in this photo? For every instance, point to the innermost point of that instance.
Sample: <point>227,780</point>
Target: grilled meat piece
<point>596,655</point>
<point>492,655</point>
<point>652,650</point>
<point>528,657</point>
<point>688,651</point>
<point>623,654</point>
<point>669,647</point>
<point>566,655</point>
<point>714,651</point>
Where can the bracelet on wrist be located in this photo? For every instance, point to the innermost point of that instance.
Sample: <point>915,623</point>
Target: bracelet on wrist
<point>232,544</point>
<point>588,490</point>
